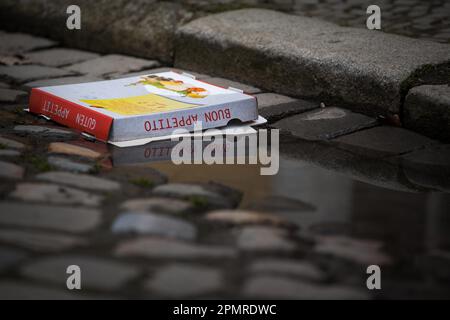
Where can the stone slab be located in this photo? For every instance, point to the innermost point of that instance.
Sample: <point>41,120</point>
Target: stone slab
<point>40,241</point>
<point>183,280</point>
<point>10,95</point>
<point>58,57</point>
<point>97,273</point>
<point>383,141</point>
<point>79,180</point>
<point>111,64</point>
<point>27,73</point>
<point>17,43</point>
<point>154,224</point>
<point>157,248</point>
<point>274,106</point>
<point>324,123</point>
<point>51,217</point>
<point>59,81</point>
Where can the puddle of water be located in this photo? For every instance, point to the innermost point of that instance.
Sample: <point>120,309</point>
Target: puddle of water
<point>339,203</point>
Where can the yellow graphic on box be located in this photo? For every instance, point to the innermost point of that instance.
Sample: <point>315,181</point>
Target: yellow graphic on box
<point>137,105</point>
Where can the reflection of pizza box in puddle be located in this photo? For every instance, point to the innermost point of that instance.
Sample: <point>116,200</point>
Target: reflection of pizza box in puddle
<point>226,145</point>
<point>142,107</point>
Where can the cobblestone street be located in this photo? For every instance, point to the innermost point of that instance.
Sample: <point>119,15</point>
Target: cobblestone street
<point>351,192</point>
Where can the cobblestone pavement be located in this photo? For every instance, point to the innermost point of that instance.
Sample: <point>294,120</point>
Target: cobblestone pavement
<point>351,192</point>
<point>413,18</point>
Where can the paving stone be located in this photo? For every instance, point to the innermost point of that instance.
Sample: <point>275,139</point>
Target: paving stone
<point>170,249</point>
<point>16,43</point>
<point>58,57</point>
<point>40,241</point>
<point>72,149</point>
<point>27,73</point>
<point>211,195</point>
<point>427,110</point>
<point>9,257</point>
<point>11,171</point>
<point>258,238</point>
<point>279,204</point>
<point>9,153</point>
<point>364,252</point>
<point>4,85</point>
<point>152,224</point>
<point>225,83</point>
<point>51,217</point>
<point>383,141</point>
<point>59,81</point>
<point>324,123</point>
<point>308,57</point>
<point>182,280</point>
<point>112,63</point>
<point>80,180</point>
<point>274,106</point>
<point>54,194</point>
<point>12,290</point>
<point>266,287</point>
<point>44,131</point>
<point>11,143</point>
<point>243,217</point>
<point>11,96</point>
<point>302,269</point>
<point>163,205</point>
<point>428,167</point>
<point>140,176</point>
<point>96,273</point>
<point>65,164</point>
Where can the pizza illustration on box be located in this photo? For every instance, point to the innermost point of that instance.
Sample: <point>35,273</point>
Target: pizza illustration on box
<point>168,86</point>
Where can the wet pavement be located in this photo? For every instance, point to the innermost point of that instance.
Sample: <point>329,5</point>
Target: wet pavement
<point>353,194</point>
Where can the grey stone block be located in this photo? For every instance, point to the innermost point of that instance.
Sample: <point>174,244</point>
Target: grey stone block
<point>274,106</point>
<point>58,57</point>
<point>383,141</point>
<point>181,280</point>
<point>305,57</point>
<point>40,241</point>
<point>9,95</point>
<point>324,123</point>
<point>111,64</point>
<point>26,73</point>
<point>17,43</point>
<point>50,217</point>
<point>96,273</point>
<point>59,81</point>
<point>427,110</point>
